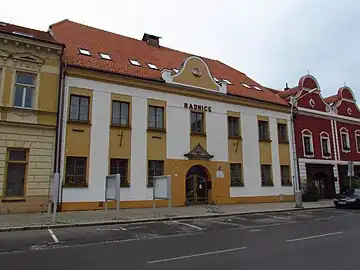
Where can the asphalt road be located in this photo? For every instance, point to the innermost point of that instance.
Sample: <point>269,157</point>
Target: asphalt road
<point>319,239</point>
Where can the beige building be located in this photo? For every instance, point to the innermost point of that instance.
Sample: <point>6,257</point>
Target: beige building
<point>30,62</point>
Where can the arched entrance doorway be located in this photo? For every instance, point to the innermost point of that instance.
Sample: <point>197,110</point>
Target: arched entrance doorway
<point>198,185</point>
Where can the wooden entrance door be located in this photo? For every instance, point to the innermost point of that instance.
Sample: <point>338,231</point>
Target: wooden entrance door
<point>197,186</point>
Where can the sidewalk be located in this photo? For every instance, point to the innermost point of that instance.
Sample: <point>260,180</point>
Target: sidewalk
<point>10,222</point>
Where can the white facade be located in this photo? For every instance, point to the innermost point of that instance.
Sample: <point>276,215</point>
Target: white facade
<point>178,141</point>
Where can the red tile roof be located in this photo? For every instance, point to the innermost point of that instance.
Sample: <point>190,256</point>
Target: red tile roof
<point>121,49</point>
<point>332,99</point>
<point>29,33</point>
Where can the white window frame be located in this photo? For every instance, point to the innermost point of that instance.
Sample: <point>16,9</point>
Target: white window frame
<point>357,135</point>
<point>307,133</point>
<point>346,132</point>
<point>325,135</point>
<point>35,90</point>
<point>105,56</point>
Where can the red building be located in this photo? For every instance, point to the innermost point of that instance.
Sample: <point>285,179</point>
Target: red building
<point>327,135</point>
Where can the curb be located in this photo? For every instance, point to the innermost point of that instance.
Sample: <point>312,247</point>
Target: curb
<point>151,220</point>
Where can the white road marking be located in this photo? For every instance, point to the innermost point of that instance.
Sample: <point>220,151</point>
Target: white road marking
<point>197,255</point>
<point>111,229</point>
<point>227,223</point>
<point>277,217</point>
<point>189,225</point>
<point>56,240</point>
<point>256,230</point>
<point>137,227</point>
<point>314,236</point>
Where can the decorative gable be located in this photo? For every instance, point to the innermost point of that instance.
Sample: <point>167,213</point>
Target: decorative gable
<point>195,73</point>
<point>198,152</point>
<point>346,103</point>
<point>28,57</point>
<point>27,60</point>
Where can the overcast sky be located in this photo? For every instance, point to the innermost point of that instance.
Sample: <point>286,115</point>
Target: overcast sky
<point>272,41</point>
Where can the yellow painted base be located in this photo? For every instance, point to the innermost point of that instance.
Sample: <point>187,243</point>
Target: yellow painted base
<point>219,194</point>
<point>86,206</point>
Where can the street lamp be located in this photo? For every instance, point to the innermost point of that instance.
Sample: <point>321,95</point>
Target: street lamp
<point>298,194</point>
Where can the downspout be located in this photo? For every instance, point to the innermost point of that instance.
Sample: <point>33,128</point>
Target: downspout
<point>59,126</point>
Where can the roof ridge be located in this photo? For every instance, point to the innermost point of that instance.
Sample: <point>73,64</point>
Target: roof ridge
<point>28,28</point>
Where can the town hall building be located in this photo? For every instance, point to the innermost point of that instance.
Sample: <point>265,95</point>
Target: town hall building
<point>140,109</point>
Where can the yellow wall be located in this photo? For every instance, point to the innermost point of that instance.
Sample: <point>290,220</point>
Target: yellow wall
<point>185,76</point>
<point>47,84</point>
<point>78,134</point>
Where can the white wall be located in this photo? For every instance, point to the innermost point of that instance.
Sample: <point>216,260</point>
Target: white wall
<point>178,140</point>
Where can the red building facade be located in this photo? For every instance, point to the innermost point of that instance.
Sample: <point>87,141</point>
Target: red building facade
<point>327,136</point>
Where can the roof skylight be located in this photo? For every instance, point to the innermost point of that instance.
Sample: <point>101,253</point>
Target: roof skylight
<point>105,56</point>
<point>134,62</point>
<point>257,88</point>
<point>84,52</point>
<point>216,79</point>
<point>152,66</point>
<point>176,70</point>
<point>227,81</point>
<point>22,34</point>
<point>246,85</point>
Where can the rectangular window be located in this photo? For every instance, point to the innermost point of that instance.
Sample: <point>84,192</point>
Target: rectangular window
<point>79,108</point>
<point>155,168</point>
<point>75,171</point>
<point>264,134</point>
<point>156,117</point>
<point>25,84</point>
<point>233,127</point>
<point>120,166</point>
<point>285,175</point>
<point>120,113</point>
<point>16,165</point>
<point>266,175</point>
<point>308,145</point>
<point>325,147</point>
<point>345,141</point>
<point>282,133</point>
<point>235,175</point>
<point>358,142</point>
<point>197,122</point>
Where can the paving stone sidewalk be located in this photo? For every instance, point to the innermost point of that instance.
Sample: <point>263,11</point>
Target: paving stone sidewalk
<point>10,222</point>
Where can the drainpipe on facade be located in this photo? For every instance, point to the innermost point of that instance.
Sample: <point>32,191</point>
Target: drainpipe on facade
<point>59,127</point>
<point>298,193</point>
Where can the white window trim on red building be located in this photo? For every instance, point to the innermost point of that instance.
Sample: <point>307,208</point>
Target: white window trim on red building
<point>344,131</point>
<point>325,135</point>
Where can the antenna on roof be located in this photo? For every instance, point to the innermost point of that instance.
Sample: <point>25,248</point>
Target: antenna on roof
<point>344,83</point>
<point>286,86</point>
<point>308,72</point>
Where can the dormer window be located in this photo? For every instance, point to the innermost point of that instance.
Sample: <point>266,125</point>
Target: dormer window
<point>105,56</point>
<point>246,85</point>
<point>345,140</point>
<point>134,62</point>
<point>227,81</point>
<point>152,66</point>
<point>175,70</point>
<point>308,145</point>
<point>84,52</point>
<point>325,145</point>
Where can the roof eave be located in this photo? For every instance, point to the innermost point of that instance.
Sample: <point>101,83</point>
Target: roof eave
<point>176,86</point>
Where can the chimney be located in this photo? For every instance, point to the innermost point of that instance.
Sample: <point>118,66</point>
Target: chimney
<point>286,87</point>
<point>151,40</point>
